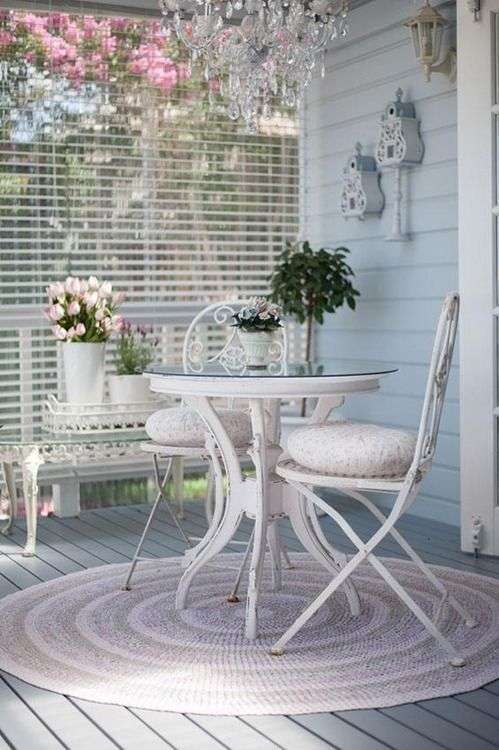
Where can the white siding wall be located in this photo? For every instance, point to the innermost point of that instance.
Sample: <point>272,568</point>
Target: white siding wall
<point>402,285</point>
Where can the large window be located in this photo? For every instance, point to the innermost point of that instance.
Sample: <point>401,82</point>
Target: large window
<point>116,160</point>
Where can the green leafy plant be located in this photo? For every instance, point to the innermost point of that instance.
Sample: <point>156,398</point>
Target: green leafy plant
<point>135,349</point>
<point>307,284</point>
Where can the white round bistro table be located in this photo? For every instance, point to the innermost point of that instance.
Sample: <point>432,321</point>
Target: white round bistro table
<point>266,498</point>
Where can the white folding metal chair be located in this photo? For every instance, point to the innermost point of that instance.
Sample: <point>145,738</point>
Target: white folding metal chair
<point>404,487</point>
<point>209,339</point>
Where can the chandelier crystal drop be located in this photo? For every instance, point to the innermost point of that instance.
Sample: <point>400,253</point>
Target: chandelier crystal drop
<point>261,51</point>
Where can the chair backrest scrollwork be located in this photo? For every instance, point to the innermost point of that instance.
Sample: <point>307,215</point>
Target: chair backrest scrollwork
<point>211,339</point>
<point>436,386</point>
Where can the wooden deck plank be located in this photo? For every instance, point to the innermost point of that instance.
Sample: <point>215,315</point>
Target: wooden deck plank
<point>465,716</point>
<point>118,538</point>
<point>88,540</point>
<point>180,731</point>
<point>50,555</point>
<point>69,724</point>
<point>483,700</point>
<point>338,732</point>
<point>126,729</point>
<point>493,687</point>
<point>20,726</point>
<point>436,728</point>
<point>50,538</point>
<point>233,733</point>
<point>97,538</point>
<point>387,730</point>
<point>286,733</point>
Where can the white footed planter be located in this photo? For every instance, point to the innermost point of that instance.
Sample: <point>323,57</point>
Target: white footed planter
<point>129,389</point>
<point>256,345</point>
<point>84,372</point>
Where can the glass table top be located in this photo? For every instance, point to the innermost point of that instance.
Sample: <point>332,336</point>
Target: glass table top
<point>318,368</point>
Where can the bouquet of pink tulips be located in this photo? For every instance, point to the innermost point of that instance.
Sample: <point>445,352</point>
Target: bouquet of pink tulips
<point>83,310</point>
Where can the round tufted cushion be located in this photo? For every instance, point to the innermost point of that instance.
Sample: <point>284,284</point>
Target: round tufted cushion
<point>353,449</point>
<point>183,427</point>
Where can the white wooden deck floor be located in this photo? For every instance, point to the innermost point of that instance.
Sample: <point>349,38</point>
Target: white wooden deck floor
<point>34,718</point>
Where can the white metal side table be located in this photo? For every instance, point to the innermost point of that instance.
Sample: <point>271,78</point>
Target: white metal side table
<point>32,447</point>
<point>265,497</point>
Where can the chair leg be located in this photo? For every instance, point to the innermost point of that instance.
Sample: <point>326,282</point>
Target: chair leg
<point>365,552</point>
<point>161,484</point>
<point>455,659</point>
<point>126,586</point>
<point>278,647</point>
<point>178,483</point>
<point>470,622</point>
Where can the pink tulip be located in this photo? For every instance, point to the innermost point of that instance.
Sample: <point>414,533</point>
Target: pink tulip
<point>74,308</point>
<point>100,314</point>
<point>106,289</point>
<point>90,299</point>
<point>117,322</point>
<point>59,333</point>
<point>72,285</point>
<point>56,312</point>
<point>118,298</point>
<point>93,283</point>
<point>70,334</point>
<point>80,329</point>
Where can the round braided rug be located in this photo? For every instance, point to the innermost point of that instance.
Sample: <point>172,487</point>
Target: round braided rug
<point>83,636</point>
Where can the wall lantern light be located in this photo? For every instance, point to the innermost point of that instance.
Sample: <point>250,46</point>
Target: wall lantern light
<point>427,30</point>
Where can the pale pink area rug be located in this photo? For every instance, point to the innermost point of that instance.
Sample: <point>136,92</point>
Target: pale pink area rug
<point>82,636</point>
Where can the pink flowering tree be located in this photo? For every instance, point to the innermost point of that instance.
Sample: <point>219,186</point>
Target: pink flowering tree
<point>85,48</point>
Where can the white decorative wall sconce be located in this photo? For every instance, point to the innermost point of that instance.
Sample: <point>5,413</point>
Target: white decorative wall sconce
<point>427,30</point>
<point>399,145</point>
<point>361,193</point>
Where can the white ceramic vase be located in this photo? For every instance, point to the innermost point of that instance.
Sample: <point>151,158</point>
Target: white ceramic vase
<point>84,372</point>
<point>256,345</point>
<point>129,389</point>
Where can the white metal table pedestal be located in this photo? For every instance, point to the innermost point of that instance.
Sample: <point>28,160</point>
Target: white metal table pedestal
<point>264,497</point>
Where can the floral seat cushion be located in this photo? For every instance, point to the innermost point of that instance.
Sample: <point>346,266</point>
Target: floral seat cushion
<point>353,449</point>
<point>183,427</point>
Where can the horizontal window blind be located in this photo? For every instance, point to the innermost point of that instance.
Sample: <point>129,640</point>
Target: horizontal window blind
<point>157,191</point>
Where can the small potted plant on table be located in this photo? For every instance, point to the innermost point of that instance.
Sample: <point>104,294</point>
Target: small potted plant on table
<point>135,351</point>
<point>257,324</point>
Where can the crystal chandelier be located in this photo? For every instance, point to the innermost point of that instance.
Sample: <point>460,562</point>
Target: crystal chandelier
<point>261,51</point>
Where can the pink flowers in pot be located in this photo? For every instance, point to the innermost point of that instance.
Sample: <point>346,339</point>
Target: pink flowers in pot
<point>83,309</point>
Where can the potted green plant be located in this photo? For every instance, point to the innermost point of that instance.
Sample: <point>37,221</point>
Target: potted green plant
<point>135,350</point>
<point>257,323</point>
<point>308,283</point>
